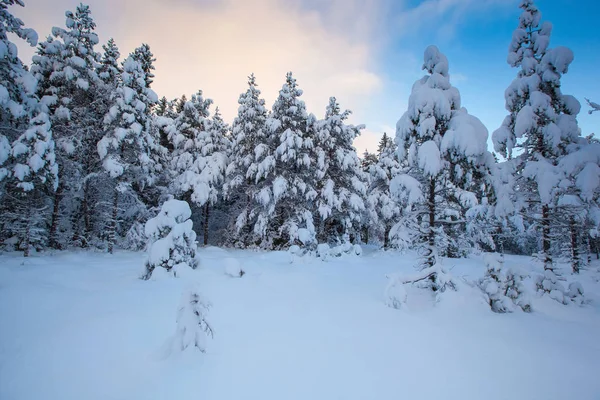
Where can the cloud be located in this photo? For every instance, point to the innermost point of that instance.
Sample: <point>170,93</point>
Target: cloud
<point>445,15</point>
<point>214,45</point>
<point>367,141</point>
<point>457,77</point>
<point>361,51</point>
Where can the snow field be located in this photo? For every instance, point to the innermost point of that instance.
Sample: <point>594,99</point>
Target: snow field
<point>82,325</point>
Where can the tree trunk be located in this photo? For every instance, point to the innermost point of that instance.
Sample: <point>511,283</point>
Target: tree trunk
<point>546,241</point>
<point>206,216</point>
<point>87,219</point>
<point>26,240</point>
<point>430,256</point>
<point>113,223</point>
<point>431,230</point>
<point>52,234</point>
<point>574,246</point>
<point>386,237</point>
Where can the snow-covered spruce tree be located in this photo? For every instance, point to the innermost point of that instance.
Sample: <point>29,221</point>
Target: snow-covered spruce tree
<point>284,182</point>
<point>541,125</point>
<point>367,160</point>
<point>440,142</point>
<point>146,59</point>
<point>192,327</point>
<point>172,239</point>
<point>164,110</point>
<point>215,153</point>
<point>200,156</point>
<point>65,66</point>
<point>127,145</point>
<point>503,288</point>
<point>342,190</point>
<point>17,102</point>
<point>17,85</point>
<point>33,177</point>
<point>578,204</point>
<point>248,133</point>
<point>384,209</point>
<point>109,69</point>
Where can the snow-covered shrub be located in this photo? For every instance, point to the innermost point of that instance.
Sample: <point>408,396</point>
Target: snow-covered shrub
<point>233,268</point>
<point>548,283</point>
<point>296,252</point>
<point>135,239</point>
<point>173,241</point>
<point>192,327</point>
<point>504,288</point>
<point>323,251</point>
<point>395,292</point>
<point>357,250</point>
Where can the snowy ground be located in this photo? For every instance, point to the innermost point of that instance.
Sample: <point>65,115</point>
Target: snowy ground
<point>82,326</point>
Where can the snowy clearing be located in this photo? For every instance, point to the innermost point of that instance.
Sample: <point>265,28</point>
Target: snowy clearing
<point>83,326</point>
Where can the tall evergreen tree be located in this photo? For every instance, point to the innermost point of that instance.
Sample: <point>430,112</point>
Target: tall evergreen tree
<point>343,189</point>
<point>541,124</point>
<point>65,66</point>
<point>432,136</point>
<point>17,86</point>
<point>34,176</point>
<point>367,160</point>
<point>127,145</point>
<point>109,68</point>
<point>283,190</point>
<point>384,209</point>
<point>144,56</point>
<point>248,132</point>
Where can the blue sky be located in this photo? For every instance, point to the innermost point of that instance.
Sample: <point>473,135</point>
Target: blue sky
<point>366,52</point>
<point>476,41</point>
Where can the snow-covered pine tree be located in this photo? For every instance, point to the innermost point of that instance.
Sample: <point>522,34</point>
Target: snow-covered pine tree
<point>343,188</point>
<point>109,69</point>
<point>216,148</point>
<point>146,59</point>
<point>284,183</point>
<point>183,136</point>
<point>127,145</point>
<point>248,133</point>
<point>192,327</point>
<point>432,136</point>
<point>367,160</point>
<point>384,209</point>
<point>469,166</point>
<point>164,108</point>
<point>541,125</point>
<point>172,239</point>
<point>200,156</point>
<point>163,117</point>
<point>180,103</point>
<point>34,176</point>
<point>578,204</point>
<point>65,66</point>
<point>503,287</point>
<point>17,85</point>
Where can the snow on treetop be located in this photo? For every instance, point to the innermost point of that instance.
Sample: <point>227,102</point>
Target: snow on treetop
<point>429,158</point>
<point>556,62</point>
<point>172,212</point>
<point>435,61</point>
<point>467,134</point>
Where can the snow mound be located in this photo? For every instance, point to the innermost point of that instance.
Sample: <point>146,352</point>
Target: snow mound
<point>233,268</point>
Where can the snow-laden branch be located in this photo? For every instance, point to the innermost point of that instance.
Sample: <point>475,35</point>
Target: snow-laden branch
<point>594,106</point>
